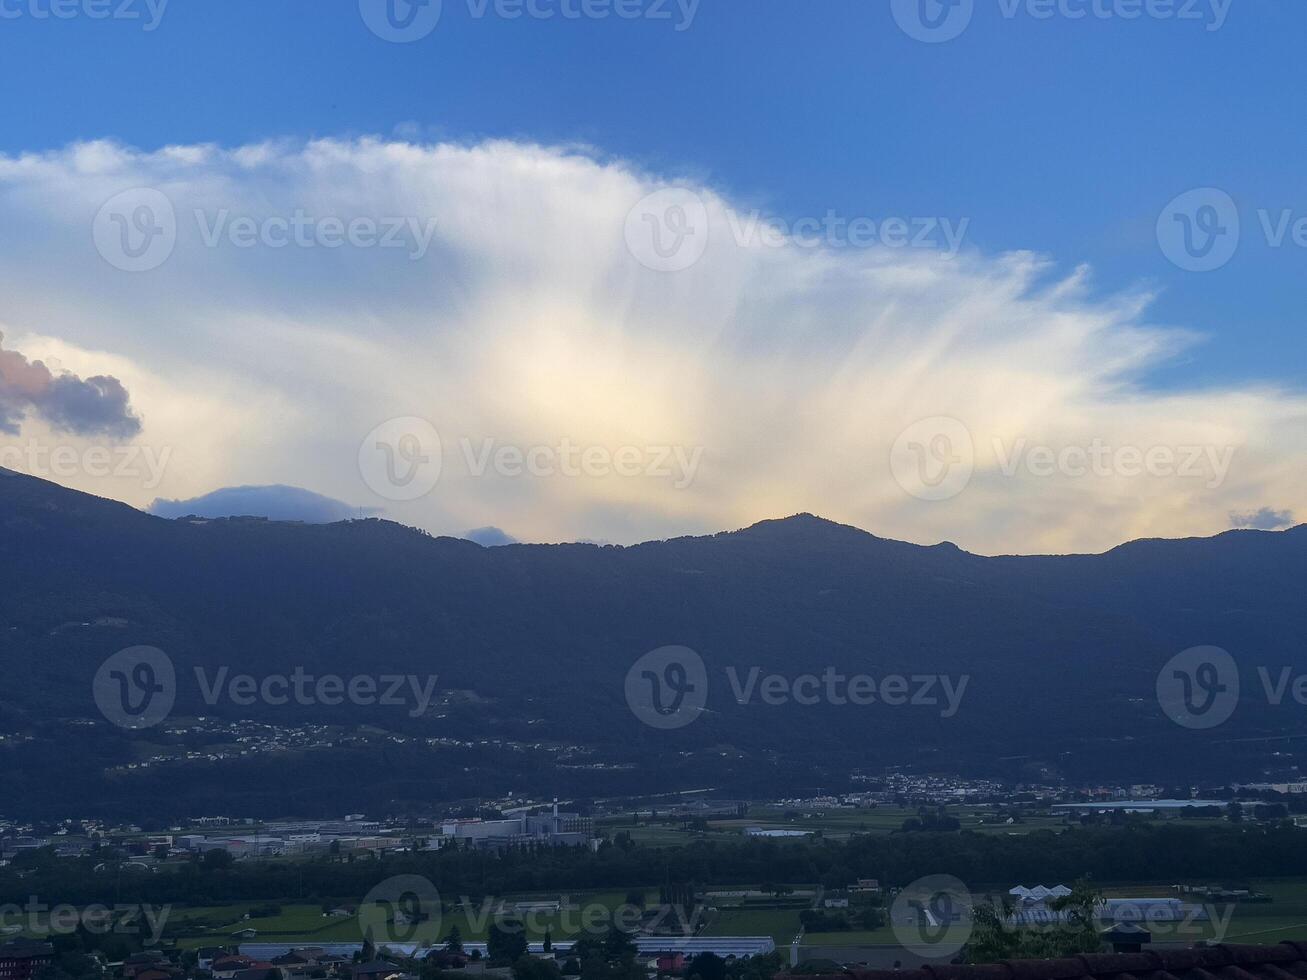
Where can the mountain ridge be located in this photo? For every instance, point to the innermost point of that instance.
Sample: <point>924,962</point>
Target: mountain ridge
<point>539,639</point>
<point>801,522</point>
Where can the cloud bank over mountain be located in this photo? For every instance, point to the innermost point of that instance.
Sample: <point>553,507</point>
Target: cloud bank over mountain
<point>490,537</point>
<point>277,503</point>
<point>1264,519</point>
<point>584,382</point>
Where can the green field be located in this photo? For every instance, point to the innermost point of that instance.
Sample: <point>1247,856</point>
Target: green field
<point>305,924</point>
<point>781,924</point>
<point>836,824</point>
<point>1285,917</point>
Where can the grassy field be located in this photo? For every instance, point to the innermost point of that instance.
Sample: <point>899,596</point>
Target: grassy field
<point>305,924</point>
<point>1285,917</point>
<point>842,823</point>
<point>214,925</point>
<point>781,924</point>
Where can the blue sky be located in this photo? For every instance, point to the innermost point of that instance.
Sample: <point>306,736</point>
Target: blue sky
<point>786,379</point>
<point>1062,136</point>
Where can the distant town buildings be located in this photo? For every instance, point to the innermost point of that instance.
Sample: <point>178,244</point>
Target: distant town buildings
<point>22,959</point>
<point>1034,907</point>
<point>552,828</point>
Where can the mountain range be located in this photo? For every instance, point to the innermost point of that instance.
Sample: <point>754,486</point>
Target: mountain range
<point>1057,659</point>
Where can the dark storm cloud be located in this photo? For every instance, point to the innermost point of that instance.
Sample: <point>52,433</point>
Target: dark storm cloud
<point>97,406</point>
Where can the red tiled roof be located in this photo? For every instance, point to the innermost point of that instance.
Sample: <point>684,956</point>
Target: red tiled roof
<point>1286,961</point>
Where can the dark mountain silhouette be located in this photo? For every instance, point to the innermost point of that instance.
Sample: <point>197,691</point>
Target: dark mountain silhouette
<point>532,645</point>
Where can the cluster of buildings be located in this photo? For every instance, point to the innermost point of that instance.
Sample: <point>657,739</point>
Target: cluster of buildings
<point>23,959</point>
<point>552,828</point>
<point>357,834</point>
<point>893,786</point>
<point>773,832</point>
<point>661,954</point>
<point>1033,907</point>
<point>249,839</point>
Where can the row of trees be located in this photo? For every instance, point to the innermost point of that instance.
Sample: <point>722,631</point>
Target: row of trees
<point>1130,853</point>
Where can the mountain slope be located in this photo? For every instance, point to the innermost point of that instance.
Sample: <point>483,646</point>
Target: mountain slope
<point>532,645</point>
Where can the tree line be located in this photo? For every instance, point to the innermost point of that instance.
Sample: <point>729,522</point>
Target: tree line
<point>1147,852</point>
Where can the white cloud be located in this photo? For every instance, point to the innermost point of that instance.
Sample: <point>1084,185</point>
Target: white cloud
<point>528,323</point>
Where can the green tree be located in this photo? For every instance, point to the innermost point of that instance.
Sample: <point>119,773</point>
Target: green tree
<point>529,968</point>
<point>706,966</point>
<point>994,937</point>
<point>454,941</point>
<point>505,942</point>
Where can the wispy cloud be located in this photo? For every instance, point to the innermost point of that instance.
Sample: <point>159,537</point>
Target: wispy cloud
<point>519,321</point>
